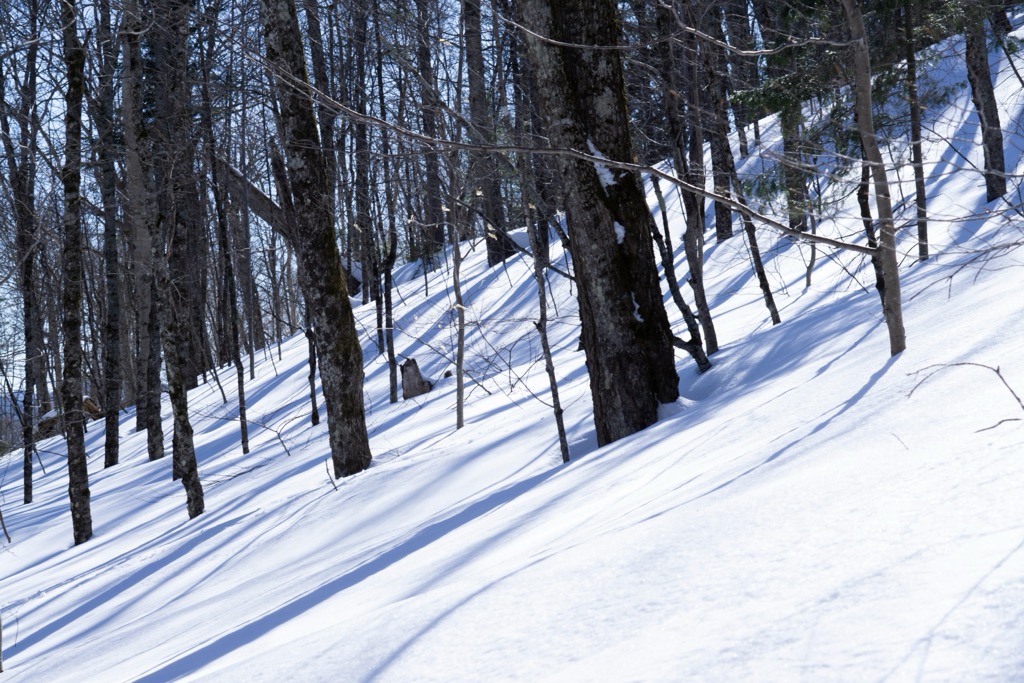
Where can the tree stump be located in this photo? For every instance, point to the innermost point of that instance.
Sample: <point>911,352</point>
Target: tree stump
<point>91,408</point>
<point>413,382</point>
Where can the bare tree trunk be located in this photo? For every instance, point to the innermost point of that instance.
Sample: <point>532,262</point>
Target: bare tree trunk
<point>484,173</point>
<point>717,121</point>
<point>21,154</point>
<point>892,305</point>
<point>863,197</point>
<point>460,313</point>
<point>364,220</point>
<point>341,362</point>
<point>539,263</point>
<point>626,334</point>
<point>693,345</point>
<point>103,115</point>
<point>755,256</point>
<point>983,95</point>
<point>391,249</point>
<point>176,223</point>
<point>71,178</point>
<point>139,212</point>
<point>314,410</point>
<point>743,68</point>
<point>229,290</point>
<point>690,164</point>
<point>921,193</point>
<point>433,219</point>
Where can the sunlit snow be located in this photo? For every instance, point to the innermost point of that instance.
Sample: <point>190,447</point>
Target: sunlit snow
<point>809,510</point>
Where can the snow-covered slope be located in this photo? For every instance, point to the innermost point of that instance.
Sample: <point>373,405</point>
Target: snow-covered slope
<point>809,510</point>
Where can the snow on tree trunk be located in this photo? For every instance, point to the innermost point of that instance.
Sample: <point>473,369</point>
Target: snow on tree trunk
<point>626,334</point>
<point>320,271</point>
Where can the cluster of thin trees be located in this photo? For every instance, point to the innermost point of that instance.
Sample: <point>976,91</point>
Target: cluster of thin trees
<point>188,181</point>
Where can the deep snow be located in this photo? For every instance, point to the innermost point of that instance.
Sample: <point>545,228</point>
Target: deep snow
<point>810,509</point>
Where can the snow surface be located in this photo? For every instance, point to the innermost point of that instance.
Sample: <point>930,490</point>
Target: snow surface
<point>809,510</point>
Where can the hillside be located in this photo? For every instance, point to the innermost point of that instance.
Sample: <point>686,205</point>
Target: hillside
<point>810,509</point>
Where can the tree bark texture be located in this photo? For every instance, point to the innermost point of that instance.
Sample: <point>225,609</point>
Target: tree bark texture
<point>71,178</point>
<point>140,216</point>
<point>433,233</point>
<point>484,172</point>
<point>980,77</point>
<point>320,271</point>
<point>177,223</point>
<point>914,103</point>
<point>102,111</point>
<point>717,120</point>
<point>19,141</point>
<point>626,334</point>
<point>892,305</point>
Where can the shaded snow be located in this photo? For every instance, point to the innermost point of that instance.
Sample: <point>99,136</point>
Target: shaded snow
<point>810,509</point>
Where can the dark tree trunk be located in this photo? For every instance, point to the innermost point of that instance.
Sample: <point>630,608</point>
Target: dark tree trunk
<point>717,122</point>
<point>433,234</point>
<point>229,290</point>
<point>314,409</point>
<point>743,68</point>
<point>154,398</point>
<point>775,33</point>
<point>921,194</point>
<point>539,264</point>
<point>363,223</point>
<point>791,118</point>
<point>102,107</point>
<point>983,95</point>
<point>177,225</point>
<point>391,250</point>
<point>626,334</point>
<point>71,178</point>
<point>863,200</point>
<point>689,160</point>
<point>139,210</point>
<point>20,153</point>
<point>693,345</point>
<point>323,280</point>
<point>484,173</point>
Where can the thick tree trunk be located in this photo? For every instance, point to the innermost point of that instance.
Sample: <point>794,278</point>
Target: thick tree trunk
<point>983,95</point>
<point>71,178</point>
<point>139,212</point>
<point>626,334</point>
<point>177,225</point>
<point>892,305</point>
<point>323,281</point>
